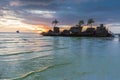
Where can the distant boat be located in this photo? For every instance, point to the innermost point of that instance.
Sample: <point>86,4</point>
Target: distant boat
<point>17,31</point>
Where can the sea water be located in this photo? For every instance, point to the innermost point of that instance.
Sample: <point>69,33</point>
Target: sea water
<point>30,56</point>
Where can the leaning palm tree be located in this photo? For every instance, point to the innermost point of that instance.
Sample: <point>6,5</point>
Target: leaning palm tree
<point>90,22</point>
<point>81,22</point>
<point>55,22</point>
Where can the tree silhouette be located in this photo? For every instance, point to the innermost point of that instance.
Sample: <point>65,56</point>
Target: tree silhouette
<point>55,22</point>
<point>90,22</point>
<point>81,22</point>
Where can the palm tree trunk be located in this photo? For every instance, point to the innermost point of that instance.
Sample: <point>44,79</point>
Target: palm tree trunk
<point>54,25</point>
<point>80,25</point>
<point>91,25</point>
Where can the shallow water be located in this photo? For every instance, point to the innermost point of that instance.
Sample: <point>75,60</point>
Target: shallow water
<point>34,57</point>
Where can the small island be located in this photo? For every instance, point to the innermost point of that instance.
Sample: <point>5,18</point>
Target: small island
<point>76,31</point>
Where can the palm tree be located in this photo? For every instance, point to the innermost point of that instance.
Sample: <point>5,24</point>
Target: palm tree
<point>55,22</point>
<point>81,22</point>
<point>90,21</point>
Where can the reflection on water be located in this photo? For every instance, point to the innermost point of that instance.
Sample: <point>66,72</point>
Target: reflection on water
<point>34,57</point>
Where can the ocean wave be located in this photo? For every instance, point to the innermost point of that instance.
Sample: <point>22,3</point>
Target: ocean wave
<point>36,71</point>
<point>9,58</point>
<point>46,46</point>
<point>54,49</point>
<point>32,51</point>
<point>17,53</point>
<point>41,57</point>
<point>1,47</point>
<point>27,59</point>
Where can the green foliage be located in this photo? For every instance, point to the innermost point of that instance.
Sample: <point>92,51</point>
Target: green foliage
<point>90,21</point>
<point>81,22</point>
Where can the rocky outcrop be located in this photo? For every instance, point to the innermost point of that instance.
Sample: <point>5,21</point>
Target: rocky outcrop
<point>100,31</point>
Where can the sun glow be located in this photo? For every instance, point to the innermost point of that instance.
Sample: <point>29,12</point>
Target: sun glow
<point>41,28</point>
<point>11,24</point>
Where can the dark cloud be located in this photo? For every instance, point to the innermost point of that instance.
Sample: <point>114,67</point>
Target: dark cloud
<point>36,1</point>
<point>67,11</point>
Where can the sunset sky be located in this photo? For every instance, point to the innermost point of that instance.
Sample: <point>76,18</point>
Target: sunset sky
<point>37,15</point>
